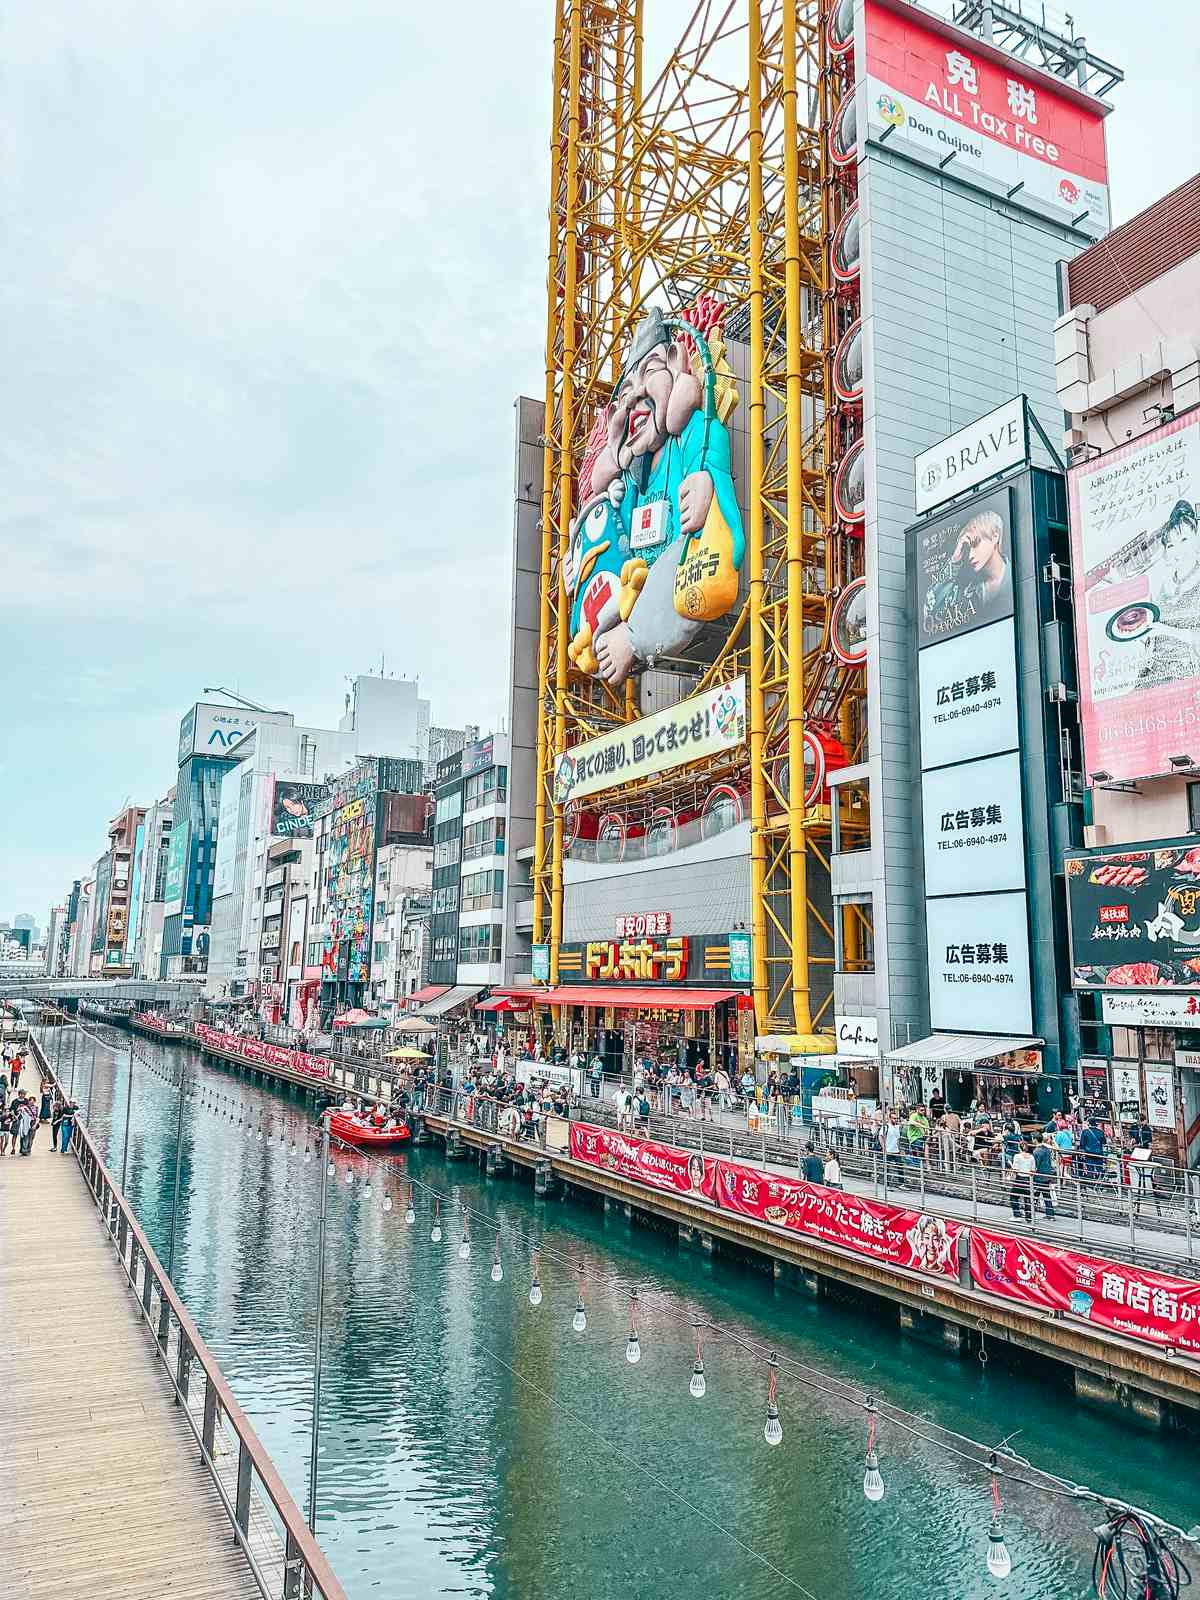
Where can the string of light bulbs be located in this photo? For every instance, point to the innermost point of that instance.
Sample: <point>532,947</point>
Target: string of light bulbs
<point>1125,1522</point>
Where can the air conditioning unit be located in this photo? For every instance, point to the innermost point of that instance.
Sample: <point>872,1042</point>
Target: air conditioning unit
<point>1095,834</point>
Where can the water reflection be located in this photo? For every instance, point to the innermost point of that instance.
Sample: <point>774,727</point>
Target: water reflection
<point>473,1445</point>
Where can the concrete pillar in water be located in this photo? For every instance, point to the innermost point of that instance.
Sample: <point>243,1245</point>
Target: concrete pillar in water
<point>545,1181</point>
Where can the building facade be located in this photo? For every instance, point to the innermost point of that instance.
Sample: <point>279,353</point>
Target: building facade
<point>1127,350</point>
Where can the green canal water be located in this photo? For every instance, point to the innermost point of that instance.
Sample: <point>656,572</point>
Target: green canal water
<point>472,1445</point>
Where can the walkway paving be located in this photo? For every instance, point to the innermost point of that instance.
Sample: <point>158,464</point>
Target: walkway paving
<point>105,1495</point>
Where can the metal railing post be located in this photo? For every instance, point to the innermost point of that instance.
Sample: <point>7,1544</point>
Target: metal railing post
<point>1079,1202</point>
<point>1187,1210</point>
<point>922,1180</point>
<point>1132,1241</point>
<point>974,1193</point>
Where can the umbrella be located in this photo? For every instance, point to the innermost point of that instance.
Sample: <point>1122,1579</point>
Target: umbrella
<point>407,1054</point>
<point>358,1018</point>
<point>415,1025</point>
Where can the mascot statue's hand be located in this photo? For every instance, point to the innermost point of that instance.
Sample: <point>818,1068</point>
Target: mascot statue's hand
<point>580,652</point>
<point>633,576</point>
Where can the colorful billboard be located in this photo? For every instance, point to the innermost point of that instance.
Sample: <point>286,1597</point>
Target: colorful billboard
<point>349,871</point>
<point>657,548</point>
<point>293,806</point>
<point>1135,543</point>
<point>702,726</point>
<point>1135,918</point>
<point>943,96</point>
<point>177,856</point>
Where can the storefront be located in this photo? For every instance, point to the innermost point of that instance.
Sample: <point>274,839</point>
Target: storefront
<point>970,1072</point>
<point>667,1026</point>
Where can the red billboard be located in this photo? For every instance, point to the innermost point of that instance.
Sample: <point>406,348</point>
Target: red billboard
<point>893,1234</point>
<point>659,1165</point>
<point>982,114</point>
<point>1109,1294</point>
<point>1135,545</point>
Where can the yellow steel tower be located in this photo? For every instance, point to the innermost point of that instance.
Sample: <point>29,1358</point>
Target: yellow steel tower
<point>715,179</point>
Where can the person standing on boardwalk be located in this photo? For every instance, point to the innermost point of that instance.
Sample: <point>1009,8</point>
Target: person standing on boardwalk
<point>47,1105</point>
<point>64,1123</point>
<point>26,1122</point>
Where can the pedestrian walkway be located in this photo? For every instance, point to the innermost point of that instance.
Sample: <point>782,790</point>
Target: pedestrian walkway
<point>105,1495</point>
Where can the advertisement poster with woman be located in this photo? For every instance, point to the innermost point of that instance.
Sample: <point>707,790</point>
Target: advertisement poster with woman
<point>1135,529</point>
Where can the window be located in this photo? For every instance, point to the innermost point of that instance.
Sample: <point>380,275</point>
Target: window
<point>481,944</point>
<point>855,928</point>
<point>1193,800</point>
<point>381,908</point>
<point>443,947</point>
<point>445,901</point>
<point>446,854</point>
<point>484,838</point>
<point>448,805</point>
<point>381,950</point>
<point>482,890</point>
<point>486,788</point>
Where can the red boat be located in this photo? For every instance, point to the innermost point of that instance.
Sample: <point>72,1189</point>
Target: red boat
<point>353,1130</point>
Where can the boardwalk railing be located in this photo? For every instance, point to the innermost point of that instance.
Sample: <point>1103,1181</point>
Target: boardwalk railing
<point>265,1521</point>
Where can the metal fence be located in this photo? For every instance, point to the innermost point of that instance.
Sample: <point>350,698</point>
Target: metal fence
<point>1088,1205</point>
<point>268,1526</point>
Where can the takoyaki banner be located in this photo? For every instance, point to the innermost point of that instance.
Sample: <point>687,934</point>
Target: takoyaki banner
<point>1136,578</point>
<point>659,1165</point>
<point>1110,1294</point>
<point>268,1055</point>
<point>1135,918</point>
<point>893,1234</point>
<point>701,726</point>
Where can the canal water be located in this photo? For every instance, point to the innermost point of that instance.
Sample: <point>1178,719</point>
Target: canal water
<point>474,1445</point>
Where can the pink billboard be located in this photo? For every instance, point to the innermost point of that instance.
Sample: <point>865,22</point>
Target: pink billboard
<point>1136,577</point>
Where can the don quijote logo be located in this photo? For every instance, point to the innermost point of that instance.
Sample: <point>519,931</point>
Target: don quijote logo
<point>891,112</point>
<point>1068,191</point>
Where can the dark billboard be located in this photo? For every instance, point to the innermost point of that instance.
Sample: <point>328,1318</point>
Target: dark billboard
<point>1135,918</point>
<point>293,806</point>
<point>964,567</point>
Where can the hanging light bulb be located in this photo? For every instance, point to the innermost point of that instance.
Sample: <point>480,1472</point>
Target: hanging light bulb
<point>497,1269</point>
<point>387,1202</point>
<point>872,1481</point>
<point>410,1215</point>
<point>260,1135</point>
<point>435,1233</point>
<point>535,1288</point>
<point>332,1170</point>
<point>464,1249</point>
<point>633,1347</point>
<point>999,1562</point>
<point>697,1386</point>
<point>349,1175</point>
<point>307,1153</point>
<point>368,1191</point>
<point>773,1431</point>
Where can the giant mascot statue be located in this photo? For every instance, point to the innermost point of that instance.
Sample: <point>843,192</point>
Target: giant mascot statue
<point>657,547</point>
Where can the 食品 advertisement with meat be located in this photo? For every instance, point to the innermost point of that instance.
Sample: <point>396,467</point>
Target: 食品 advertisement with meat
<point>1135,918</point>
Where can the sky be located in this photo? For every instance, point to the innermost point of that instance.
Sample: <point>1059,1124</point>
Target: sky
<point>273,276</point>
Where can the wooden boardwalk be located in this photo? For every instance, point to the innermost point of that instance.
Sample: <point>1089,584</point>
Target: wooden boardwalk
<point>104,1491</point>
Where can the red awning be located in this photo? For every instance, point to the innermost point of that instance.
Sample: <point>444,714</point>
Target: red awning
<point>623,994</point>
<point>506,1002</point>
<point>431,991</point>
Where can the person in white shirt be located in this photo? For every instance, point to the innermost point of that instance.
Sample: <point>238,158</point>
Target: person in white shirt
<point>833,1171</point>
<point>1023,1169</point>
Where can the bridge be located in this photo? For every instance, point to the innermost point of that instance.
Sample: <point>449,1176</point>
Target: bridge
<point>14,987</point>
<point>117,1427</point>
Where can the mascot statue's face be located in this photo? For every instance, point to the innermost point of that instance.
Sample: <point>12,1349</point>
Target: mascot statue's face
<point>656,401</point>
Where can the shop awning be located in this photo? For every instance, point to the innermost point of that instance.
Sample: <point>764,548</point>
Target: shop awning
<point>505,1002</point>
<point>965,1051</point>
<point>449,998</point>
<point>420,997</point>
<point>622,994</point>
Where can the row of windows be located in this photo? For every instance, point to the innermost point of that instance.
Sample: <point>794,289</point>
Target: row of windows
<point>480,944</point>
<point>481,890</point>
<point>485,788</point>
<point>484,838</point>
<point>450,805</point>
<point>443,947</point>
<point>445,900</point>
<point>445,855</point>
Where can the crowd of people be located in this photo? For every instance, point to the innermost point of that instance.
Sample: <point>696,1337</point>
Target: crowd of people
<point>23,1114</point>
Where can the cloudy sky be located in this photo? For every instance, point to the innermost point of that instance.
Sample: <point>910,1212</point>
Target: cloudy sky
<point>272,277</point>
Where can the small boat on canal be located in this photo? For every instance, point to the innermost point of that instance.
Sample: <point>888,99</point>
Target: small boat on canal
<point>356,1130</point>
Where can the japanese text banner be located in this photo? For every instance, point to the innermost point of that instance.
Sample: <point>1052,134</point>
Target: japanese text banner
<point>1111,1294</point>
<point>658,1165</point>
<point>702,726</point>
<point>893,1234</point>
